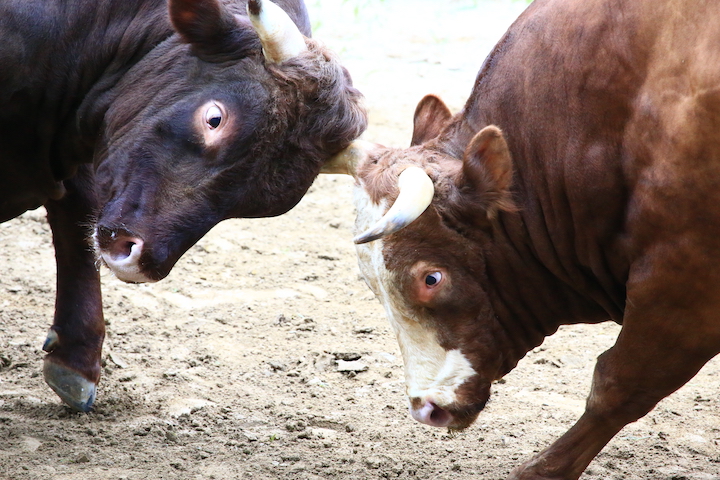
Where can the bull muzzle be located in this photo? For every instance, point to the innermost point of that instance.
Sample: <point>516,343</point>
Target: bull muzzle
<point>121,251</point>
<point>454,417</point>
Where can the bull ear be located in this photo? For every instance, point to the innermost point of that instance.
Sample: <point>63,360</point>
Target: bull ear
<point>487,169</point>
<point>431,116</point>
<point>214,32</point>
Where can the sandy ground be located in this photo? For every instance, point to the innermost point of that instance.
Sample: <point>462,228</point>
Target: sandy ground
<point>230,368</point>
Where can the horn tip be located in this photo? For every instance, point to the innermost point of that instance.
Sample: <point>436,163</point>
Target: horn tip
<point>365,238</point>
<point>380,231</point>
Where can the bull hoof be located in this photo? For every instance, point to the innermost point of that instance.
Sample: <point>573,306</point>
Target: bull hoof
<point>76,391</point>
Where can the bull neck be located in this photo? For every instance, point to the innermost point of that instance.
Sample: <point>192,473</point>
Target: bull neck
<point>85,50</point>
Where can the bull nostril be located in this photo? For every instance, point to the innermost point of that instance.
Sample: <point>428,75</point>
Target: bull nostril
<point>440,417</point>
<point>118,246</point>
<point>431,414</point>
<point>122,249</point>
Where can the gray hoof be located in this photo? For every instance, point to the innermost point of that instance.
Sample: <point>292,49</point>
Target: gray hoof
<point>71,387</point>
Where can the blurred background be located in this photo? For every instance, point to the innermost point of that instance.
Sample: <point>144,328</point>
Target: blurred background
<point>411,46</point>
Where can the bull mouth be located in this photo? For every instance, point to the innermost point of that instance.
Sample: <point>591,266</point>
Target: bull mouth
<point>464,416</point>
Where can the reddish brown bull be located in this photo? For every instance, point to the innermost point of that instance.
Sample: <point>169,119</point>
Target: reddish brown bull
<point>580,183</point>
<point>190,112</point>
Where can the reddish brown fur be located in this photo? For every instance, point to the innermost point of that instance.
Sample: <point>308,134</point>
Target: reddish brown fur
<point>431,116</point>
<point>604,206</point>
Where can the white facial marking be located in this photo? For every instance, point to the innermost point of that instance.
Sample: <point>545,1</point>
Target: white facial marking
<point>431,372</point>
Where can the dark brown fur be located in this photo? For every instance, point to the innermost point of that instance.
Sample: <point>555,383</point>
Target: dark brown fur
<point>99,101</point>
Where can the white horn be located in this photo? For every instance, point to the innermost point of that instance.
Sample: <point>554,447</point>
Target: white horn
<point>416,194</point>
<point>280,38</point>
<point>346,161</point>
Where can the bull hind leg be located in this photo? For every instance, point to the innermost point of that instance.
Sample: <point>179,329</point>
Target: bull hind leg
<point>664,342</point>
<point>74,343</point>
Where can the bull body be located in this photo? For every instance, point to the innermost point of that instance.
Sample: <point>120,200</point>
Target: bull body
<point>579,184</point>
<point>157,120</point>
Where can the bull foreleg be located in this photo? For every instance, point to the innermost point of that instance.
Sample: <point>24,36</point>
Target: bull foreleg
<point>657,352</point>
<point>74,343</point>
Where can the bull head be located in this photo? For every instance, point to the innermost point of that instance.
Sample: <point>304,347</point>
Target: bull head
<point>233,119</point>
<point>426,275</point>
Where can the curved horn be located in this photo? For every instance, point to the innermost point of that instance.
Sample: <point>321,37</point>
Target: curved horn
<point>416,194</point>
<point>280,38</point>
<point>346,161</point>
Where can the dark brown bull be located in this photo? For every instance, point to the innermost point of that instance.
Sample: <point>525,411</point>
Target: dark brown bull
<point>209,112</point>
<point>580,183</point>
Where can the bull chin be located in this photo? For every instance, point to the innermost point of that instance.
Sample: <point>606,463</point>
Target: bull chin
<point>465,415</point>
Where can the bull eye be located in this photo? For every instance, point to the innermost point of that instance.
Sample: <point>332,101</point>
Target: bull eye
<point>433,279</point>
<point>213,117</point>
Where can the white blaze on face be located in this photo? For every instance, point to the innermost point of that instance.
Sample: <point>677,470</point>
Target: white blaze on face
<point>431,372</point>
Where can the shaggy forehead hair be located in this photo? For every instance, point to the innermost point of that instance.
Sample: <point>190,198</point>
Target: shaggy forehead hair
<point>324,91</point>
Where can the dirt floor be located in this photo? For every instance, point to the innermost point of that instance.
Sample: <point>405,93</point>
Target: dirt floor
<point>231,367</point>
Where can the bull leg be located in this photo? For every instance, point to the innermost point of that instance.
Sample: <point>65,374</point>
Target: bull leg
<point>74,343</point>
<point>659,349</point>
